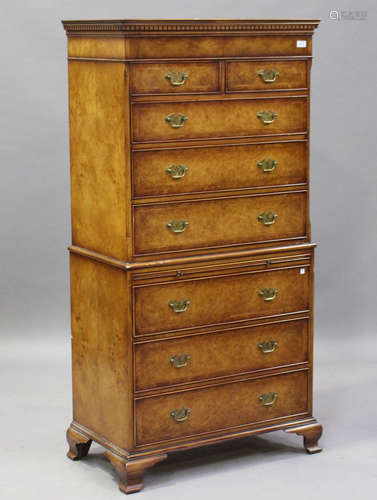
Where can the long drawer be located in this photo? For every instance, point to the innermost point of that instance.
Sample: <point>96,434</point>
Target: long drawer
<point>190,170</point>
<point>205,46</point>
<point>221,222</point>
<point>173,121</point>
<point>235,351</point>
<point>220,298</point>
<point>225,407</point>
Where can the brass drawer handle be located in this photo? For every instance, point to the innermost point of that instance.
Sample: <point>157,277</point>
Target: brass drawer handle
<point>268,218</point>
<point>176,120</point>
<point>267,117</point>
<point>268,75</point>
<point>268,399</point>
<point>180,361</point>
<point>268,294</point>
<point>177,171</point>
<point>267,165</point>
<point>176,78</point>
<point>180,415</point>
<point>177,226</point>
<point>268,347</point>
<point>179,306</point>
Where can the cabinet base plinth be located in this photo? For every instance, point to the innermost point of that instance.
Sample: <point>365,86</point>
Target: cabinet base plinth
<point>131,467</point>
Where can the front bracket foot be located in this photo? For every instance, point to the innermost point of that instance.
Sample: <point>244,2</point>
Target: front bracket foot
<point>79,444</point>
<point>131,470</point>
<point>311,434</point>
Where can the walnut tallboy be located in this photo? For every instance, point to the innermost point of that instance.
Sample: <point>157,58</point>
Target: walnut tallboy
<point>191,261</point>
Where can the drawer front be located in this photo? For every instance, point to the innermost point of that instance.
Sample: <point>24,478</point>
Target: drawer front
<point>180,171</point>
<point>158,47</point>
<point>213,119</point>
<point>172,78</point>
<point>266,75</point>
<point>215,300</point>
<point>219,408</point>
<point>182,226</point>
<point>175,361</point>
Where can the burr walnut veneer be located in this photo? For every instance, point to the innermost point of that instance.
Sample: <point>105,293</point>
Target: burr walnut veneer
<point>191,260</point>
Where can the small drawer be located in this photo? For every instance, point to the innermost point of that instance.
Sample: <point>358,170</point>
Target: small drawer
<point>195,170</point>
<point>221,222</point>
<point>220,299</point>
<point>169,362</point>
<point>221,408</point>
<point>266,75</point>
<point>175,78</point>
<point>175,121</point>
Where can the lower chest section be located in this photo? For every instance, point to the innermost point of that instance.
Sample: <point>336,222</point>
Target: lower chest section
<point>221,347</point>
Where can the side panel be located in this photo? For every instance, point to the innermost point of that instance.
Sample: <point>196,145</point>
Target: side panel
<point>101,350</point>
<point>99,121</point>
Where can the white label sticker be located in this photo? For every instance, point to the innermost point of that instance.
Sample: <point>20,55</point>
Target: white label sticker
<point>302,270</point>
<point>301,43</point>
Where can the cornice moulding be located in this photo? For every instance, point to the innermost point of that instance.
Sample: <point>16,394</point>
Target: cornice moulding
<point>220,26</point>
